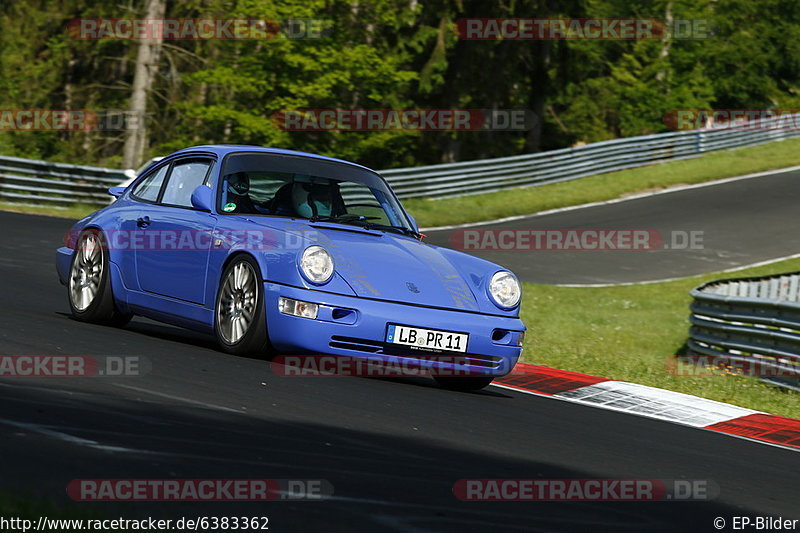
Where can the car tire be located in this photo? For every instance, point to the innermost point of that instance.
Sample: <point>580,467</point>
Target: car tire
<point>239,319</point>
<point>463,384</point>
<point>89,292</point>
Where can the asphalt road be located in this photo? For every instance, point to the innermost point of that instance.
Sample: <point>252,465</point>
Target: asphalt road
<point>391,449</point>
<point>740,223</point>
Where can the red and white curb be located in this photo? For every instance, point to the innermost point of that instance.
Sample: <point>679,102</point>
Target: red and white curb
<point>651,402</point>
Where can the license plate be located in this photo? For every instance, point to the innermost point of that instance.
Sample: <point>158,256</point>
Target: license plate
<point>428,339</point>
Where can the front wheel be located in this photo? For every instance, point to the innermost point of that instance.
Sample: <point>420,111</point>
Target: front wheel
<point>463,383</point>
<point>239,320</point>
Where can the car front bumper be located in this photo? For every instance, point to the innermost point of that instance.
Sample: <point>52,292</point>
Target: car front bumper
<point>63,262</point>
<point>356,327</point>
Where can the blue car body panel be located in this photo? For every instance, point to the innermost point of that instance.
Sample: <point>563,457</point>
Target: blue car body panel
<point>380,278</point>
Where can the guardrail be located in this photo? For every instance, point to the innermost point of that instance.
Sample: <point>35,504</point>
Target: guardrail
<point>46,183</point>
<point>489,175</point>
<point>755,321</point>
<point>56,184</point>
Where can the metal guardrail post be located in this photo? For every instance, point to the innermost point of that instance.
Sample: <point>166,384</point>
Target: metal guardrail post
<point>752,321</point>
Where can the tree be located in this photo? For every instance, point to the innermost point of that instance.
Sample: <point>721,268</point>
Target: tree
<point>147,59</point>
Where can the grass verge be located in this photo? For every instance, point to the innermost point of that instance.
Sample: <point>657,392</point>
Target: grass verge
<point>630,333</point>
<point>522,201</point>
<point>74,212</point>
<point>30,507</point>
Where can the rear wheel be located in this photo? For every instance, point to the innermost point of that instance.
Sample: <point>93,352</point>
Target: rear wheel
<point>89,287</point>
<point>463,383</point>
<point>239,320</point>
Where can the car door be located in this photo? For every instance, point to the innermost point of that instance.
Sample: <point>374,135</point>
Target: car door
<point>172,255</point>
<point>137,205</point>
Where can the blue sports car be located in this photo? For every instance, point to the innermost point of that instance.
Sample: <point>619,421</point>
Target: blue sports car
<point>281,251</point>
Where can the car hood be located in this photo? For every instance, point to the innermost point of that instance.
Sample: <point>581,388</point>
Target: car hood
<point>393,267</point>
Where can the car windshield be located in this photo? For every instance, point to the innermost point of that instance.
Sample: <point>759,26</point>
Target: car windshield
<point>317,190</point>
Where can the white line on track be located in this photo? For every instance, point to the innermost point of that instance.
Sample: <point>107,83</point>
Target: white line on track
<point>664,280</point>
<point>42,430</point>
<point>52,432</point>
<point>66,437</point>
<point>615,200</point>
<point>181,399</point>
<point>48,431</point>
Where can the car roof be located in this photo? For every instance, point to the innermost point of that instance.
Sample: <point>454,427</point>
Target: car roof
<point>225,149</point>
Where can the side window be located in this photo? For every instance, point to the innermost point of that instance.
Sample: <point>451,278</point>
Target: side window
<point>149,187</point>
<point>186,176</point>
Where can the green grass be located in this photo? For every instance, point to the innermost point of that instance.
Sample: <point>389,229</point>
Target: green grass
<point>630,333</point>
<point>30,507</point>
<point>522,201</point>
<point>74,212</point>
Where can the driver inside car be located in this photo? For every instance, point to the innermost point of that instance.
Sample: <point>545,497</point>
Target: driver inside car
<point>237,197</point>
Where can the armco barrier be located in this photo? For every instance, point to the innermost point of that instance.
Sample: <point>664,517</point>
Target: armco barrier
<point>46,183</point>
<point>755,321</point>
<point>55,184</point>
<point>489,175</point>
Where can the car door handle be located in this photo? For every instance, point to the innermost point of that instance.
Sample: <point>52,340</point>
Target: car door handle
<point>143,222</point>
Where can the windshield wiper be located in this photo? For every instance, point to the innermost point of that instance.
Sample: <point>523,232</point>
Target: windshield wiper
<point>402,229</point>
<point>363,221</point>
<point>347,218</point>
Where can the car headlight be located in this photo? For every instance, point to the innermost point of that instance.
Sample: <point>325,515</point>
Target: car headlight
<point>505,289</point>
<point>316,264</point>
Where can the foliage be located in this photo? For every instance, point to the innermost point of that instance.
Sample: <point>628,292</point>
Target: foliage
<point>383,54</point>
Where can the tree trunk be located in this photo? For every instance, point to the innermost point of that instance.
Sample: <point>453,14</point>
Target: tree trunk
<point>144,74</point>
<point>666,41</point>
<point>537,96</point>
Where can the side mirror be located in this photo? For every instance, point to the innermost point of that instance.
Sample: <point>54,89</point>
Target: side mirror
<point>201,198</point>
<point>116,192</point>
